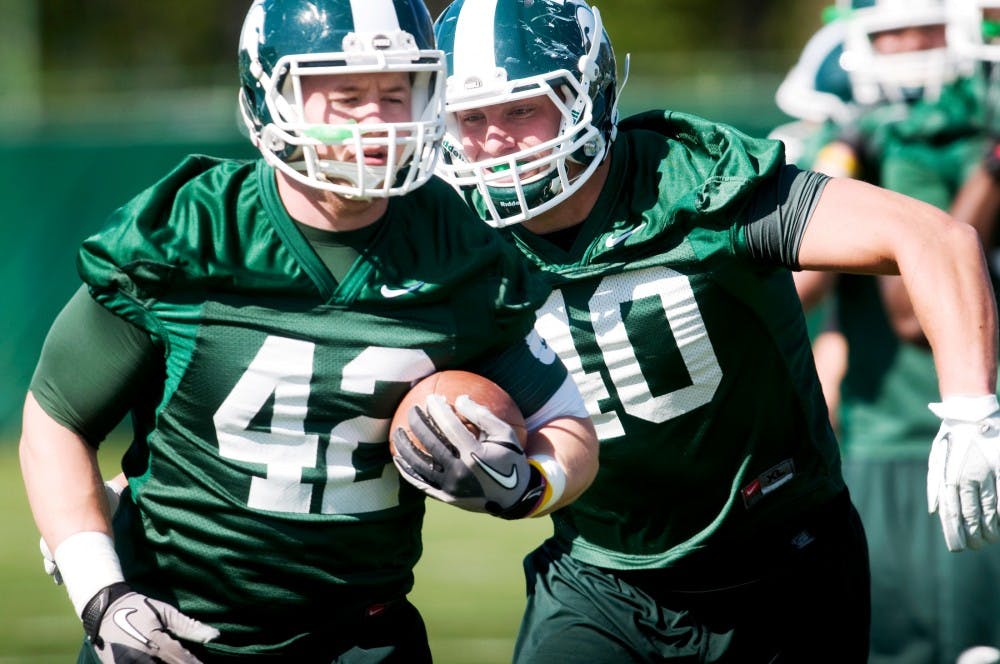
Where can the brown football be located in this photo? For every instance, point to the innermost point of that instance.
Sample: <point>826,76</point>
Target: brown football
<point>453,383</point>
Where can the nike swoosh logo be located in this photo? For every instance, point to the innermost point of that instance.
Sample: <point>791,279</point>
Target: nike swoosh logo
<point>506,480</point>
<point>615,240</point>
<point>121,619</point>
<point>389,292</point>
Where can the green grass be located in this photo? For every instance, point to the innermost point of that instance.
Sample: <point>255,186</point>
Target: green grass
<point>469,587</point>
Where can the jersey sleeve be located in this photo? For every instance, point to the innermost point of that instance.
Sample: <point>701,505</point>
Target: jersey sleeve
<point>536,379</point>
<point>777,215</point>
<point>91,365</point>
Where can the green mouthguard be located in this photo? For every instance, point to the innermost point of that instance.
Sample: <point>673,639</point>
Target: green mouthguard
<point>991,29</point>
<point>327,134</point>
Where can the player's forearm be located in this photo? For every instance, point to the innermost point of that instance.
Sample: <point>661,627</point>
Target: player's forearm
<point>61,478</point>
<point>572,442</point>
<point>954,302</point>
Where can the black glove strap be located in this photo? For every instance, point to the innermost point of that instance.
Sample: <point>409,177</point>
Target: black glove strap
<point>93,612</point>
<point>527,502</point>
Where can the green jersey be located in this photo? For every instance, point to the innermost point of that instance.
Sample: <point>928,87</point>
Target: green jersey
<point>690,349</point>
<point>263,497</point>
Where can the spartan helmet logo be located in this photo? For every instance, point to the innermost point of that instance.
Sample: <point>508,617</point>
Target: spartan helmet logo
<point>253,30</point>
<point>585,18</point>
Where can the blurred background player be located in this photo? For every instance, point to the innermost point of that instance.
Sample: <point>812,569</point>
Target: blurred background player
<point>261,320</point>
<point>817,93</point>
<point>919,131</point>
<point>719,526</point>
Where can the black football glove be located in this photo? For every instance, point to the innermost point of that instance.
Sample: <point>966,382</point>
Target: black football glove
<point>488,472</point>
<point>126,627</point>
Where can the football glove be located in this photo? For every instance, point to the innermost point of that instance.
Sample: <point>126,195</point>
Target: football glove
<point>113,493</point>
<point>124,626</point>
<point>488,472</point>
<point>963,469</point>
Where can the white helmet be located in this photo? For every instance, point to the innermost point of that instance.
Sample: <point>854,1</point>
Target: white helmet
<point>877,77</point>
<point>970,35</point>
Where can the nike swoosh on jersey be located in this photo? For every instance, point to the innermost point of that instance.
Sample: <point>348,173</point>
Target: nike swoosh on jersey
<point>390,292</point>
<point>506,480</point>
<point>121,619</point>
<point>615,240</point>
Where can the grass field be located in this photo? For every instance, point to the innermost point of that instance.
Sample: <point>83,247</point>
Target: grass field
<point>469,584</point>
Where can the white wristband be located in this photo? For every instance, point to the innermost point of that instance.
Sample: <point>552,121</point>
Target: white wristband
<point>966,408</point>
<point>555,481</point>
<point>87,562</point>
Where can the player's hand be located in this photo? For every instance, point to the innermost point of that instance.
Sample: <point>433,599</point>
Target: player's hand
<point>113,492</point>
<point>488,472</point>
<point>963,470</point>
<point>124,626</point>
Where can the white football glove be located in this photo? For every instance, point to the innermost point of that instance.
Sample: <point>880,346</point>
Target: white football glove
<point>484,473</point>
<point>125,626</point>
<point>963,470</point>
<point>113,492</point>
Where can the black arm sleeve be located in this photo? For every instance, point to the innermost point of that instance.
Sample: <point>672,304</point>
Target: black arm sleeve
<point>778,213</point>
<point>92,365</point>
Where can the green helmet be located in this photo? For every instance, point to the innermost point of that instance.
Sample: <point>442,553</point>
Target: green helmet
<point>500,51</point>
<point>285,40</point>
<point>817,88</point>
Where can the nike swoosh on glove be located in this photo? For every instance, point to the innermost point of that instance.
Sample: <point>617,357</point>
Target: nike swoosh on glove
<point>963,470</point>
<point>488,472</point>
<point>126,626</point>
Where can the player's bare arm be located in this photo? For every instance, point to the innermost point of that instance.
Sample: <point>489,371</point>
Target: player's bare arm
<point>79,504</point>
<point>860,228</point>
<point>976,204</point>
<point>572,443</point>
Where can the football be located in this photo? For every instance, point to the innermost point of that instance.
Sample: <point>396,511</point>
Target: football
<point>451,384</point>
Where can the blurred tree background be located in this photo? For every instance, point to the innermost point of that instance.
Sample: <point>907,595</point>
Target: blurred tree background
<point>100,60</point>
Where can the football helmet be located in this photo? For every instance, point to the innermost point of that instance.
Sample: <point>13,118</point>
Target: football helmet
<point>283,41</point>
<point>817,88</point>
<point>970,34</point>
<point>500,51</point>
<point>894,77</point>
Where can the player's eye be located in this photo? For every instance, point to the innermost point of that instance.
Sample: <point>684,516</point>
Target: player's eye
<point>521,112</point>
<point>470,118</point>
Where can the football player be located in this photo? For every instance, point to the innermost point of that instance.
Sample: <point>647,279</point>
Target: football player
<point>719,526</point>
<point>923,138</point>
<point>260,321</point>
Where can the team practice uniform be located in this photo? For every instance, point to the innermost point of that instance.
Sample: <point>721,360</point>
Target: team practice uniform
<point>928,604</point>
<point>719,497</point>
<point>283,523</point>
